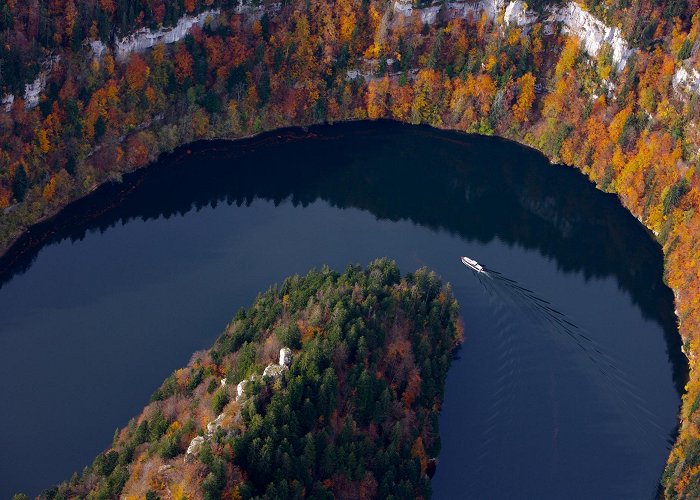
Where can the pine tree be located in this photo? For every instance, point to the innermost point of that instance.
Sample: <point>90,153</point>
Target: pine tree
<point>20,184</point>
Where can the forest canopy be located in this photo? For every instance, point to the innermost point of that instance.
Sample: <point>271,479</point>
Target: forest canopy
<point>354,415</point>
<point>633,129</point>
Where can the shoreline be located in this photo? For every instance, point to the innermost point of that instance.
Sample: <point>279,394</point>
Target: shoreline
<point>37,235</point>
<point>17,248</point>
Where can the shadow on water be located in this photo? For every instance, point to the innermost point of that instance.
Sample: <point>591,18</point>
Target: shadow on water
<point>539,376</point>
<point>527,203</point>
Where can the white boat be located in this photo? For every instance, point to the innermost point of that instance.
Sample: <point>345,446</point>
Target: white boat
<point>474,265</point>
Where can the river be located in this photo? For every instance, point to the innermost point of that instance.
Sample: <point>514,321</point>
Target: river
<point>568,382</point>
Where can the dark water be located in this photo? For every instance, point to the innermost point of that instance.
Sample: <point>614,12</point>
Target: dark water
<point>567,383</point>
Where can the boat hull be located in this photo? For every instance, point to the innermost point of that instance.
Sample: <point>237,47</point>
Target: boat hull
<point>473,265</point>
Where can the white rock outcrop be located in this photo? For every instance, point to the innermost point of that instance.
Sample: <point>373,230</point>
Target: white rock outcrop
<point>145,38</point>
<point>592,32</point>
<point>285,356</point>
<point>215,424</point>
<point>98,48</point>
<point>403,7</point>
<point>686,80</point>
<point>271,371</point>
<point>474,10</point>
<point>33,90</point>
<point>492,8</point>
<point>240,389</point>
<point>429,15</point>
<point>274,371</point>
<point>457,9</point>
<point>352,74</point>
<point>255,11</point>
<point>194,448</point>
<point>518,14</point>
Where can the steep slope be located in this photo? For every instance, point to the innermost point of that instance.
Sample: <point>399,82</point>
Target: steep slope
<point>610,87</point>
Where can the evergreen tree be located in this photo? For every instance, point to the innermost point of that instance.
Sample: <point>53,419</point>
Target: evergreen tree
<point>20,184</point>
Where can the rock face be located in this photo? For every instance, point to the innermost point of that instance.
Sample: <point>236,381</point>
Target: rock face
<point>194,448</point>
<point>98,48</point>
<point>429,14</point>
<point>458,9</point>
<point>517,13</point>
<point>272,371</point>
<point>145,38</point>
<point>491,7</point>
<point>240,389</point>
<point>403,7</point>
<point>254,11</point>
<point>285,356</point>
<point>32,91</point>
<point>215,424</point>
<point>685,80</point>
<point>593,33</point>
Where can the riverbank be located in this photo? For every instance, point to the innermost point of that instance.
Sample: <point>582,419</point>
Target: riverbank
<point>19,256</point>
<point>623,118</point>
<point>224,217</point>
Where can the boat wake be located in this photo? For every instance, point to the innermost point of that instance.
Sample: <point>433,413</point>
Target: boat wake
<point>508,294</point>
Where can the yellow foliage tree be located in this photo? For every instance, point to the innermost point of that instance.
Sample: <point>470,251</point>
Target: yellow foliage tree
<point>568,57</point>
<point>43,140</point>
<point>526,98</point>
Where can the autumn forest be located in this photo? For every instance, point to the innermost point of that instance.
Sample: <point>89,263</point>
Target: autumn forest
<point>82,104</point>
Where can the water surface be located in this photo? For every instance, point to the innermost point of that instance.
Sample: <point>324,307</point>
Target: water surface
<point>568,381</point>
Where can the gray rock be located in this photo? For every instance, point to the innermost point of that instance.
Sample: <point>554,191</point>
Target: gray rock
<point>215,424</point>
<point>194,448</point>
<point>274,371</point>
<point>240,390</point>
<point>145,38</point>
<point>285,356</point>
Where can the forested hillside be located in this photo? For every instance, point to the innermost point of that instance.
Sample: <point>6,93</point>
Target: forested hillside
<point>350,411</point>
<point>610,87</point>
